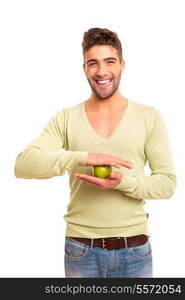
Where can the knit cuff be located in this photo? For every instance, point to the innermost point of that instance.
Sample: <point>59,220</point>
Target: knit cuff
<point>79,157</point>
<point>128,184</point>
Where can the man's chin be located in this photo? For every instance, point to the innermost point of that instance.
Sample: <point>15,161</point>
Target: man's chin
<point>104,96</point>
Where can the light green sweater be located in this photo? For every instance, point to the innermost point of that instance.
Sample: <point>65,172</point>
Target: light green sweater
<point>140,136</point>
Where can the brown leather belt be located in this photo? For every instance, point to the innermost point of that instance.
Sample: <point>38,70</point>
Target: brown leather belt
<point>113,243</point>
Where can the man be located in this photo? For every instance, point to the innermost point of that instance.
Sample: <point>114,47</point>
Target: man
<point>106,232</point>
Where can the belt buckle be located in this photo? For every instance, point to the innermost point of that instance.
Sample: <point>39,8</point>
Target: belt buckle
<point>103,244</point>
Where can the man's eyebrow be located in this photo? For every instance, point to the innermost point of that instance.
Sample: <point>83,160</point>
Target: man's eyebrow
<point>105,59</point>
<point>91,60</point>
<point>111,58</point>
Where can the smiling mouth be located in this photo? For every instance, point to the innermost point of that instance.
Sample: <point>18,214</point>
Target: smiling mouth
<point>103,83</point>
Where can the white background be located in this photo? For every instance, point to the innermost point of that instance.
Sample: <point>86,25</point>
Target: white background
<point>41,73</point>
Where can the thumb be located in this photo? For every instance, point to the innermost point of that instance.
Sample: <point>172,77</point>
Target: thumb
<point>116,175</point>
<point>112,175</point>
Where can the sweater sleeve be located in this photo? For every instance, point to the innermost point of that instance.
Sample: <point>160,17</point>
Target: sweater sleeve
<point>43,158</point>
<point>161,183</point>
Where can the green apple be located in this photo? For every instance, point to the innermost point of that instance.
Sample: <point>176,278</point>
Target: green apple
<point>102,171</point>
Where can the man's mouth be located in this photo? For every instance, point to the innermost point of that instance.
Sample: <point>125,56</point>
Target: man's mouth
<point>103,83</point>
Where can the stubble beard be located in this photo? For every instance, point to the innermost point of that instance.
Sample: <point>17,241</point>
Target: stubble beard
<point>111,93</point>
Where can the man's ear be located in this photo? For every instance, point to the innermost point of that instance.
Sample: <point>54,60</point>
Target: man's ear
<point>84,67</point>
<point>122,65</point>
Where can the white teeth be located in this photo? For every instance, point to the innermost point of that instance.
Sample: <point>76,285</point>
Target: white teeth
<point>104,81</point>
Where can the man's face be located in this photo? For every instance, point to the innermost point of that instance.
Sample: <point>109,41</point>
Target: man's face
<point>103,70</point>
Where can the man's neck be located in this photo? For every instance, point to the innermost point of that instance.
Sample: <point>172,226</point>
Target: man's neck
<point>117,101</point>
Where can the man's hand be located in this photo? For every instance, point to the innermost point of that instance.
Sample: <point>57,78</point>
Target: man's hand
<point>102,183</point>
<point>95,159</point>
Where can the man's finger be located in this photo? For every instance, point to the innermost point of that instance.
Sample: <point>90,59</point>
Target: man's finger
<point>127,164</point>
<point>89,178</point>
<point>93,181</point>
<point>112,175</point>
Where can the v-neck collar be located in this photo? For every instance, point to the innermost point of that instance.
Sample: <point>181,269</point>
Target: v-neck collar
<point>116,130</point>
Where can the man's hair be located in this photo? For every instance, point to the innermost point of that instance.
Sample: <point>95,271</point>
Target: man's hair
<point>99,36</point>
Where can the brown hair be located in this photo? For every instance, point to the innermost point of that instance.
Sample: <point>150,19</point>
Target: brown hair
<point>99,36</point>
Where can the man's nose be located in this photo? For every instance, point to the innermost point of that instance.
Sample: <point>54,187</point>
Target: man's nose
<point>101,71</point>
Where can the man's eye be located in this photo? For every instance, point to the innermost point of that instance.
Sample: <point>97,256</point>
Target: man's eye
<point>92,64</point>
<point>111,61</point>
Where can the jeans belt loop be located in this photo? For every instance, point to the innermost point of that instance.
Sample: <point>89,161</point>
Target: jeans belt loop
<point>126,244</point>
<point>92,240</point>
<point>103,244</point>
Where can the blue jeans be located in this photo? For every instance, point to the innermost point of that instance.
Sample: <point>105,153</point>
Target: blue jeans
<point>84,261</point>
